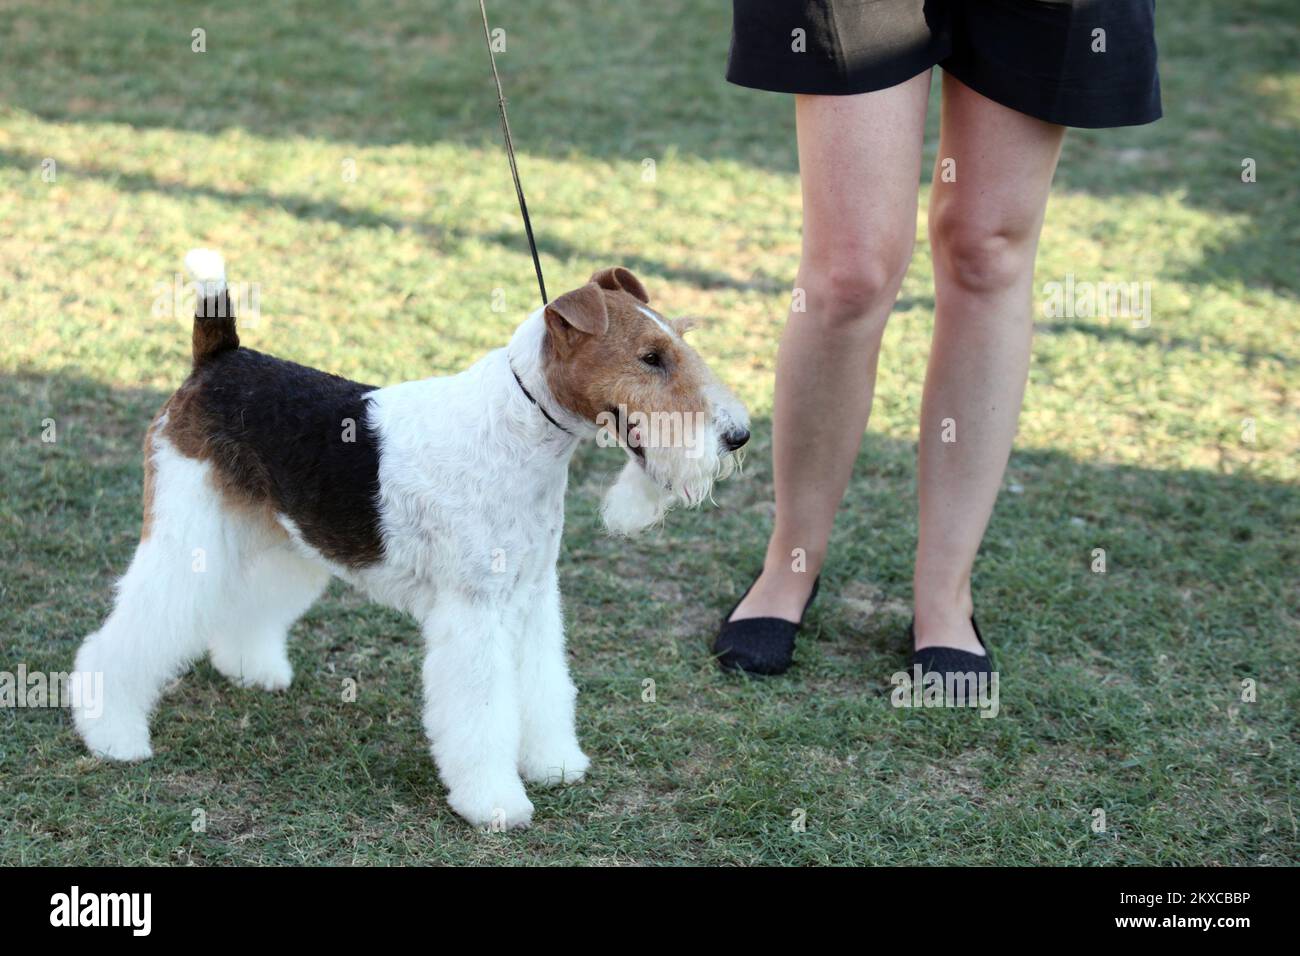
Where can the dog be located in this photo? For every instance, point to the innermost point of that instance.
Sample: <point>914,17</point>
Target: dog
<point>443,498</point>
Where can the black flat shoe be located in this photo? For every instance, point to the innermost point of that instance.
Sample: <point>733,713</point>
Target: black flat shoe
<point>759,645</point>
<point>950,660</point>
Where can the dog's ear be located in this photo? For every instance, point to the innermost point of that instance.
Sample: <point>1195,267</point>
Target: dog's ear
<point>618,278</point>
<point>577,313</point>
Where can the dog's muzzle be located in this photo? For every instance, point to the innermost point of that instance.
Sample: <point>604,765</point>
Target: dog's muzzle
<point>735,439</point>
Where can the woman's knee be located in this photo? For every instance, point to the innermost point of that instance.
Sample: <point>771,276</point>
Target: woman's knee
<point>856,289</point>
<point>978,253</point>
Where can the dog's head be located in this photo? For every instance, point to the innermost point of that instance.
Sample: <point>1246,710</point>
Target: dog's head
<point>610,358</point>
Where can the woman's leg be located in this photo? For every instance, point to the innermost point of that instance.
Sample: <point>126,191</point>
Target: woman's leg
<point>860,165</point>
<point>984,230</point>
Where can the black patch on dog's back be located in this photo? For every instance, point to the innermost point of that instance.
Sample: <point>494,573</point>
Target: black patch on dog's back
<point>290,436</point>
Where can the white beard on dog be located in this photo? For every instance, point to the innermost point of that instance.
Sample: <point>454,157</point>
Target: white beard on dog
<point>634,502</point>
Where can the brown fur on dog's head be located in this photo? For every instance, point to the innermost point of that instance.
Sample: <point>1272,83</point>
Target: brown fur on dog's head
<point>613,360</point>
<point>608,352</point>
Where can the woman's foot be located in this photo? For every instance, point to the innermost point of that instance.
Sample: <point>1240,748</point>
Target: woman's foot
<point>948,659</point>
<point>760,644</point>
<point>946,627</point>
<point>779,593</point>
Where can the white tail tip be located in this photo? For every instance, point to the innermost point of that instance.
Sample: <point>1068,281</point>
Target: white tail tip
<point>208,269</point>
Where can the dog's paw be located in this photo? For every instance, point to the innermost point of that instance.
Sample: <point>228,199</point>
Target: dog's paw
<point>552,769</point>
<point>493,809</point>
<point>269,670</point>
<point>121,740</point>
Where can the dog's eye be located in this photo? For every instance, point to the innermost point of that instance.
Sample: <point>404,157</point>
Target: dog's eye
<point>652,359</point>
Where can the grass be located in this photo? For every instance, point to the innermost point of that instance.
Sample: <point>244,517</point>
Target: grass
<point>1121,691</point>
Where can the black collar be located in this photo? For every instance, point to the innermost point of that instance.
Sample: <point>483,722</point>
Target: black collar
<point>529,395</point>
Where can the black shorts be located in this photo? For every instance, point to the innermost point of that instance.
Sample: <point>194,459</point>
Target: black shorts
<point>1089,63</point>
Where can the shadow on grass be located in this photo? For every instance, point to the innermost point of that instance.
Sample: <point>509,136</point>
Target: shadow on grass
<point>1113,683</point>
<point>311,209</point>
<point>617,85</point>
<point>1142,338</point>
<point>1188,553</point>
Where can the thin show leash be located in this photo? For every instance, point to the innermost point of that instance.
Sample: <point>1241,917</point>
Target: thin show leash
<point>510,152</point>
<point>523,205</point>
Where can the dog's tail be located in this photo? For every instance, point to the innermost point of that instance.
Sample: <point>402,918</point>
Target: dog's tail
<point>214,314</point>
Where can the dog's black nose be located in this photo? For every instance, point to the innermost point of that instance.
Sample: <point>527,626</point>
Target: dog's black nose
<point>735,438</point>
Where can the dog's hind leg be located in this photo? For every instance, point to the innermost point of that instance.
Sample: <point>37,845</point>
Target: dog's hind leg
<point>471,712</point>
<point>179,584</point>
<point>249,644</point>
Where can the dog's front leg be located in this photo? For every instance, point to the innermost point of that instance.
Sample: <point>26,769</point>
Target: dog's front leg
<point>549,751</point>
<point>471,712</point>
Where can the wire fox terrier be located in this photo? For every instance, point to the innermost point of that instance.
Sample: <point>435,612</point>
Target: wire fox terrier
<point>443,498</point>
